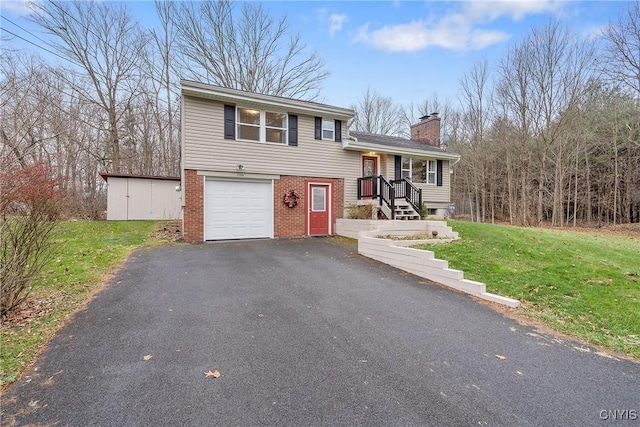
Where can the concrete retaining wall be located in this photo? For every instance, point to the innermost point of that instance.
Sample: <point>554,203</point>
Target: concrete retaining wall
<point>422,263</point>
<point>351,227</point>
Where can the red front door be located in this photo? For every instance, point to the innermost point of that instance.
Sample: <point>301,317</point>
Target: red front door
<point>369,168</point>
<point>318,210</point>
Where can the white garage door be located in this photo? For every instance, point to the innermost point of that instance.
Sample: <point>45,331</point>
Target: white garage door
<point>238,209</point>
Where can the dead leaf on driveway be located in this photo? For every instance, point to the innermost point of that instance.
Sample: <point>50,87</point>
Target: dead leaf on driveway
<point>214,374</point>
<point>147,357</point>
<point>499,356</point>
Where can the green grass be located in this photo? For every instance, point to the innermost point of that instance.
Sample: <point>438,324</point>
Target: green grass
<point>583,284</point>
<point>85,252</point>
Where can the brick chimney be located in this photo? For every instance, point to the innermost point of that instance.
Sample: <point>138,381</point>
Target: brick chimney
<point>427,130</point>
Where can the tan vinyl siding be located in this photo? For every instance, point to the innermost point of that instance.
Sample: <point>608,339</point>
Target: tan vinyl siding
<point>206,149</point>
<point>435,196</point>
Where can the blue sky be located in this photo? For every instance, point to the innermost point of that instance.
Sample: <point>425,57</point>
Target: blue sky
<point>407,50</point>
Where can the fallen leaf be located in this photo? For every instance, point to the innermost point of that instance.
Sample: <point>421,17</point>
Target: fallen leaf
<point>147,357</point>
<point>499,356</point>
<point>214,374</point>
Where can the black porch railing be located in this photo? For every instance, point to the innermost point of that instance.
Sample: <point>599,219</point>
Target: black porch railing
<point>412,194</point>
<point>377,187</point>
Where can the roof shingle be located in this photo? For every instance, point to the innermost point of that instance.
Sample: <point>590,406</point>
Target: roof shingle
<point>394,141</point>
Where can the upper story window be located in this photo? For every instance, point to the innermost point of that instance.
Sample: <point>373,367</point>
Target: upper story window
<point>328,129</point>
<point>420,171</point>
<point>261,126</point>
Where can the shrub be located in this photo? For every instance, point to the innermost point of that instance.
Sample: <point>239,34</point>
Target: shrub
<point>360,211</point>
<point>30,207</point>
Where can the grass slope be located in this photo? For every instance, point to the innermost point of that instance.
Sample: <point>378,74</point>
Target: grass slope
<point>583,284</point>
<point>85,252</point>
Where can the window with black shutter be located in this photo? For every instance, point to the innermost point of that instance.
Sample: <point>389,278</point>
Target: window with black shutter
<point>293,130</point>
<point>230,122</point>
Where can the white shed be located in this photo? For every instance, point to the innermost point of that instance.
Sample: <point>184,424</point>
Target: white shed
<point>131,197</point>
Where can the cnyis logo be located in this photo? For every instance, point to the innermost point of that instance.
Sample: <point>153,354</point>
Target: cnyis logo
<point>619,414</point>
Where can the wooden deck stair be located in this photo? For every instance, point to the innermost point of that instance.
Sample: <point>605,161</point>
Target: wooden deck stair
<point>403,211</point>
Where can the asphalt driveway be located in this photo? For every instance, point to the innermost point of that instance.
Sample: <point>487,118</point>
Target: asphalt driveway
<point>306,332</point>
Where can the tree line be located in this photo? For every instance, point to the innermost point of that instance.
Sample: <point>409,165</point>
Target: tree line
<point>548,134</point>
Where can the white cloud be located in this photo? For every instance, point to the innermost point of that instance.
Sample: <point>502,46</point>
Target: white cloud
<point>514,9</point>
<point>336,20</point>
<point>467,28</point>
<point>17,7</point>
<point>332,21</point>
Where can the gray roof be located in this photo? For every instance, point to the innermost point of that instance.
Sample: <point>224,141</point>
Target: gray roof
<point>394,141</point>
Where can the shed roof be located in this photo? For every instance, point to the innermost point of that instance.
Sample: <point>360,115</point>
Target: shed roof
<point>107,175</point>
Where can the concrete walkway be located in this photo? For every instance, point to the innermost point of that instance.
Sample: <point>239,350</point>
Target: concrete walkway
<point>306,332</point>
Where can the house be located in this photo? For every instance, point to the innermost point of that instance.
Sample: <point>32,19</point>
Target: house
<point>135,197</point>
<point>256,166</point>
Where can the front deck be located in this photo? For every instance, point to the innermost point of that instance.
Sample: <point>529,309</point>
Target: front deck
<point>398,199</point>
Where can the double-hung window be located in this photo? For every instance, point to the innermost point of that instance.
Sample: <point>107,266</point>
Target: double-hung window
<point>261,126</point>
<point>275,127</point>
<point>431,172</point>
<point>328,129</point>
<point>419,171</point>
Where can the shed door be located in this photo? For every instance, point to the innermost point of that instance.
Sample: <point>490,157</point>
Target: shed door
<point>238,209</point>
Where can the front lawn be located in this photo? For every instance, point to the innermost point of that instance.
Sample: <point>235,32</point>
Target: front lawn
<point>585,284</point>
<point>85,252</point>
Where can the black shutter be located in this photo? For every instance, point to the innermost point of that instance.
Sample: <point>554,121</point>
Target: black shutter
<point>338,131</point>
<point>293,130</point>
<point>398,167</point>
<point>439,173</point>
<point>318,128</point>
<point>229,122</point>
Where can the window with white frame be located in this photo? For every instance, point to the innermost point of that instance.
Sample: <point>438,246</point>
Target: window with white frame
<point>419,171</point>
<point>261,126</point>
<point>431,172</point>
<point>328,129</point>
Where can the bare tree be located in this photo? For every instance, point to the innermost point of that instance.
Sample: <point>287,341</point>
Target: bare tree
<point>106,44</point>
<point>621,56</point>
<point>476,96</point>
<point>249,52</point>
<point>162,89</point>
<point>24,94</point>
<point>542,80</point>
<point>379,114</point>
<point>430,105</point>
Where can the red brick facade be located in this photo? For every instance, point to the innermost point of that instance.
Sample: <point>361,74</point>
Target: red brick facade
<point>288,222</point>
<point>193,214</point>
<point>292,222</point>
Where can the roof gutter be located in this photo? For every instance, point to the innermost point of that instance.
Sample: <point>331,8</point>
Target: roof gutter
<point>224,94</point>
<point>352,143</point>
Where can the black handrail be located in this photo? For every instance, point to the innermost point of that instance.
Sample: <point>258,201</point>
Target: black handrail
<point>368,187</point>
<point>388,196</point>
<point>377,187</point>
<point>412,194</point>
